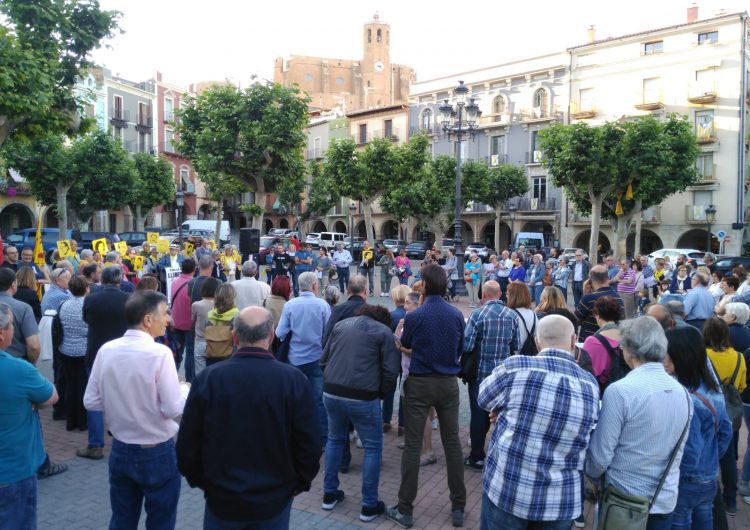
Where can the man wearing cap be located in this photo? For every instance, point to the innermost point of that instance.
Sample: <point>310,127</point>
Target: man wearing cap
<point>173,260</point>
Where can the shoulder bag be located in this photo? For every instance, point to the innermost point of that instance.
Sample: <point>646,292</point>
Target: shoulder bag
<point>529,346</point>
<point>732,397</point>
<point>618,511</point>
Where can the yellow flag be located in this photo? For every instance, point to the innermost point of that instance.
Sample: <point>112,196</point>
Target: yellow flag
<point>64,250</point>
<point>39,260</point>
<point>101,246</point>
<point>162,246</point>
<point>152,238</point>
<point>121,247</point>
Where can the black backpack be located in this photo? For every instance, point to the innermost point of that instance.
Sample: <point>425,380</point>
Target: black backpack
<point>529,346</point>
<point>618,368</point>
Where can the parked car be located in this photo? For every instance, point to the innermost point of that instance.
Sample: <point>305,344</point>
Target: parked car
<point>695,257</point>
<point>379,247</point>
<point>87,237</point>
<point>355,249</point>
<point>283,232</point>
<point>396,245</point>
<point>157,229</point>
<point>447,244</point>
<point>26,237</point>
<point>570,253</point>
<point>133,238</point>
<point>416,249</point>
<point>313,238</point>
<point>726,263</point>
<point>208,234</point>
<point>483,251</point>
<point>331,239</point>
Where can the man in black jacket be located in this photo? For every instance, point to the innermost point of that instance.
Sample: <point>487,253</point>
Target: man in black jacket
<point>104,312</point>
<point>357,297</point>
<point>361,365</point>
<point>250,472</point>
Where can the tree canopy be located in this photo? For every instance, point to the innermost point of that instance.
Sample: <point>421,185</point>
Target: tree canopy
<point>44,45</point>
<point>255,136</point>
<point>154,185</point>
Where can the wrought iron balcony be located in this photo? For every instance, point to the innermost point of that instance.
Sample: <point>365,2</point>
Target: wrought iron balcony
<point>651,100</point>
<point>702,93</point>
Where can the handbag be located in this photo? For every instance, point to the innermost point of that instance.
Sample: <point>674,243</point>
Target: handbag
<point>732,397</point>
<point>469,365</point>
<point>619,511</point>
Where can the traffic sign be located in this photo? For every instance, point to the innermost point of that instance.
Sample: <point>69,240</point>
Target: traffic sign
<point>721,235</point>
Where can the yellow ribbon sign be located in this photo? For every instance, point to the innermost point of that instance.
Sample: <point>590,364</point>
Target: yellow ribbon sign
<point>101,246</point>
<point>121,247</point>
<point>367,254</point>
<point>152,238</point>
<point>162,246</point>
<point>63,248</point>
<point>138,263</point>
<point>189,248</point>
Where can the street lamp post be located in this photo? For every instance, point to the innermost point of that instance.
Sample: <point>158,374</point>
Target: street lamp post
<point>512,211</point>
<point>459,121</point>
<point>710,218</point>
<point>179,199</point>
<point>352,209</point>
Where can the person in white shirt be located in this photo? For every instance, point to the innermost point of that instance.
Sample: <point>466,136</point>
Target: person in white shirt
<point>134,382</point>
<point>248,290</point>
<point>342,260</point>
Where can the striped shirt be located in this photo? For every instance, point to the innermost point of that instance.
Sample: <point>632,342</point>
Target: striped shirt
<point>585,311</point>
<point>495,328</point>
<point>641,420</point>
<point>547,406</point>
<point>629,288</point>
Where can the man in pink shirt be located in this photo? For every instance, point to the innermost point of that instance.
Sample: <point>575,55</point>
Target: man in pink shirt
<point>182,317</point>
<point>134,382</point>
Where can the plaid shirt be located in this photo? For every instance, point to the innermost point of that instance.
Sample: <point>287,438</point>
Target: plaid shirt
<point>547,406</point>
<point>495,328</point>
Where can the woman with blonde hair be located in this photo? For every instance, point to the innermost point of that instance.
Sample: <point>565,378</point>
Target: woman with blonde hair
<point>552,298</point>
<point>27,290</point>
<point>218,333</point>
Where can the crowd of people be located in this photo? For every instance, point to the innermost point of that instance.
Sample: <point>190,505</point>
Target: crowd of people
<point>634,398</point>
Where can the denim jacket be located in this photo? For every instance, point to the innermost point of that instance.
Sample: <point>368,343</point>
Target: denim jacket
<point>708,438</point>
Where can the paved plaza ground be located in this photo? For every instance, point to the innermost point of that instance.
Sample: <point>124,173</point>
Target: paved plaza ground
<point>79,499</point>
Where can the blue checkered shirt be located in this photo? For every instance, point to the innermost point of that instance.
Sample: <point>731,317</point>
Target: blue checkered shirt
<point>495,328</point>
<point>547,406</point>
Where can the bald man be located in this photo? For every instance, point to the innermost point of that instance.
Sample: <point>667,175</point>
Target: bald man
<point>662,314</point>
<point>546,406</point>
<point>250,476</point>
<point>491,333</point>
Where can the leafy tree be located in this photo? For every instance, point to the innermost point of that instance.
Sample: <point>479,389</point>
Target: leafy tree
<point>617,170</point>
<point>44,45</point>
<point>255,136</point>
<point>322,195</point>
<point>219,186</point>
<point>154,185</point>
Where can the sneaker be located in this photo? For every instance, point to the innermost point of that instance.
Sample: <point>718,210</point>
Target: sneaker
<point>401,445</point>
<point>359,443</point>
<point>580,521</point>
<point>474,465</point>
<point>94,453</point>
<point>435,424</point>
<point>731,511</point>
<point>370,514</point>
<point>352,436</point>
<point>746,499</point>
<point>401,519</point>
<point>458,518</point>
<point>426,460</point>
<point>743,488</point>
<point>330,500</point>
<point>51,470</point>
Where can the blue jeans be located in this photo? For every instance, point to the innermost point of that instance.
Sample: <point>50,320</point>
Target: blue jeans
<point>314,374</point>
<point>277,522</point>
<point>536,293</point>
<point>136,473</point>
<point>728,466</point>
<point>187,352</point>
<point>366,417</point>
<point>18,505</point>
<point>659,521</point>
<point>564,291</point>
<point>478,425</point>
<point>388,401</point>
<point>295,279</point>
<point>694,510</point>
<point>343,273</point>
<point>493,517</point>
<point>370,275</point>
<point>577,292</point>
<point>95,421</point>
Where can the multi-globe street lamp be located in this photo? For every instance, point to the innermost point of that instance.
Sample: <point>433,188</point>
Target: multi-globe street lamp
<point>179,199</point>
<point>710,218</point>
<point>459,120</point>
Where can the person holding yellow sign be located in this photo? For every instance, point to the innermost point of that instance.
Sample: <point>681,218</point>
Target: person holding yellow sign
<point>101,246</point>
<point>367,265</point>
<point>230,262</point>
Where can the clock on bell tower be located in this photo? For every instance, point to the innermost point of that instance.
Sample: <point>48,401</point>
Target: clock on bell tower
<point>376,64</point>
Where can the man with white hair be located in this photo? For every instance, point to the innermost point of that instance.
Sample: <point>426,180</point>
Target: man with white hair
<point>546,406</point>
<point>736,316</point>
<point>699,302</point>
<point>248,290</point>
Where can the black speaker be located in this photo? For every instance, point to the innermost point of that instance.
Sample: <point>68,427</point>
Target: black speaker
<point>249,242</point>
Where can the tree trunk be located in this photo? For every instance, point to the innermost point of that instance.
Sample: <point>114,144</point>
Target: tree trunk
<point>497,231</point>
<point>621,225</point>
<point>62,210</point>
<point>637,245</point>
<point>260,200</point>
<point>219,217</point>
<point>369,229</point>
<point>140,218</point>
<point>596,215</point>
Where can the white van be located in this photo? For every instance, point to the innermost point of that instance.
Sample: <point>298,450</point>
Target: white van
<point>196,224</point>
<point>530,239</point>
<point>329,240</point>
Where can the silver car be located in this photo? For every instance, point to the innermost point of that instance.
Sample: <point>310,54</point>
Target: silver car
<point>313,239</point>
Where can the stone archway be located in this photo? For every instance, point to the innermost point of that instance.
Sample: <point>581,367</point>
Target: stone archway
<point>204,212</point>
<point>467,233</point>
<point>15,216</point>
<point>389,230</point>
<point>541,226</point>
<point>50,218</point>
<point>488,235</point>
<point>283,223</point>
<point>340,226</point>
<point>267,225</point>
<point>696,238</point>
<point>582,241</point>
<point>650,242</point>
<point>319,227</point>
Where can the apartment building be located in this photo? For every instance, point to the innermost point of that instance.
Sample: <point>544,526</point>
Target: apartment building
<point>698,69</point>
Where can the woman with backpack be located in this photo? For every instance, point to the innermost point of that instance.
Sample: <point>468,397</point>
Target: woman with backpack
<point>519,301</point>
<point>710,431</point>
<point>604,345</point>
<point>729,366</point>
<point>200,310</point>
<point>218,333</point>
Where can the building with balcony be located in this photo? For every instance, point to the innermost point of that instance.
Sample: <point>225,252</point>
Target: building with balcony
<point>517,100</point>
<point>698,69</point>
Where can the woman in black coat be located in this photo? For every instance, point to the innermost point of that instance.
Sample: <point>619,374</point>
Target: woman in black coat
<point>27,290</point>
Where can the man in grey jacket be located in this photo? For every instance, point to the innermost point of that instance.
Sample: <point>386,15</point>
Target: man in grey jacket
<point>361,364</point>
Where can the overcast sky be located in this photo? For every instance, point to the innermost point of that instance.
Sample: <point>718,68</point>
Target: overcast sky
<point>194,40</point>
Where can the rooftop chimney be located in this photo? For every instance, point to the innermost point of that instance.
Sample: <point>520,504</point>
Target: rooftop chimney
<point>591,33</point>
<point>692,13</point>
